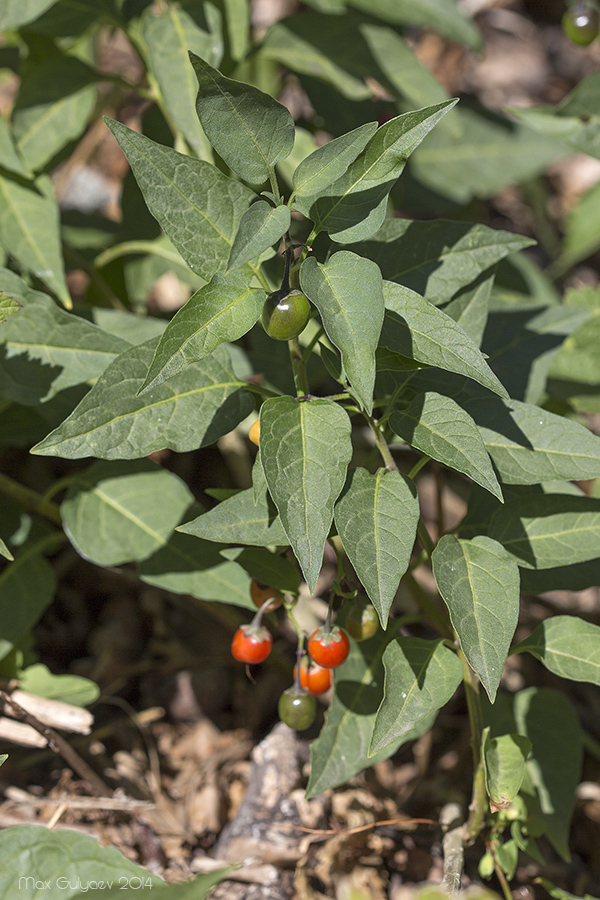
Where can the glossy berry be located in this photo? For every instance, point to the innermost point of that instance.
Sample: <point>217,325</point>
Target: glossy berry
<point>251,644</point>
<point>362,621</point>
<point>297,708</point>
<point>285,314</point>
<point>581,25</point>
<point>329,648</point>
<point>254,432</point>
<point>314,678</point>
<point>260,593</point>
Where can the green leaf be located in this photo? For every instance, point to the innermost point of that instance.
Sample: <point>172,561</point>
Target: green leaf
<point>554,767</point>
<point>73,689</point>
<point>249,517</point>
<point>9,156</point>
<point>558,893</point>
<point>504,758</point>
<point>120,512</point>
<point>354,206</point>
<point>470,308</point>
<point>305,449</point>
<point>223,310</point>
<point>530,445</point>
<point>190,410</point>
<point>575,120</point>
<point>485,154</point>
<point>416,329</point>
<point>567,646</point>
<point>29,231</point>
<point>440,428</point>
<point>27,586</point>
<point>55,101</point>
<point>185,565</point>
<point>169,33</point>
<point>238,26</point>
<point>376,518</point>
<point>262,226</point>
<point>437,259</point>
<point>420,677</point>
<point>326,164</point>
<point>546,530</point>
<point>479,582</point>
<point>67,859</point>
<point>197,206</point>
<point>341,750</point>
<point>348,292</point>
<point>403,70</point>
<point>574,374</point>
<point>8,307</point>
<point>442,16</point>
<point>249,129</point>
<point>15,13</point>
<point>47,350</point>
<point>582,229</point>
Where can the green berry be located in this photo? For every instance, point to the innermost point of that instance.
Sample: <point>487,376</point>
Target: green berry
<point>581,25</point>
<point>362,621</point>
<point>297,709</point>
<point>285,314</point>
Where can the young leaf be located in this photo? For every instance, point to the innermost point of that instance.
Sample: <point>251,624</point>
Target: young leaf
<point>479,582</point>
<point>416,329</point>
<point>5,552</point>
<point>440,428</point>
<point>262,225</point>
<point>168,36</point>
<point>567,646</point>
<point>553,769</point>
<point>188,411</point>
<point>546,530</point>
<point>341,750</point>
<point>223,310</point>
<point>185,565</point>
<point>437,259</point>
<point>249,517</point>
<point>376,518</point>
<point>504,758</point>
<point>121,512</point>
<point>249,129</point>
<point>420,677</point>
<point>197,206</point>
<point>327,164</point>
<point>305,449</point>
<point>354,206</point>
<point>29,231</point>
<point>348,293</point>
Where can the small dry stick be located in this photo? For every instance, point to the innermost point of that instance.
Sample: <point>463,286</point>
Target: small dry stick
<point>59,745</point>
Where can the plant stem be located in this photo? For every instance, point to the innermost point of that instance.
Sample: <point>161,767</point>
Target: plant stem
<point>425,537</point>
<point>382,444</point>
<point>479,797</point>
<point>418,466</point>
<point>299,368</point>
<point>30,498</point>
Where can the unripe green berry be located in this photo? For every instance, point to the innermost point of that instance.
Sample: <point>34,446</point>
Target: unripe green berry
<point>581,25</point>
<point>285,314</point>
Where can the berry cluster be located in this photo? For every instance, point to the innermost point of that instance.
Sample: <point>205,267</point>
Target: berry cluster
<point>328,648</point>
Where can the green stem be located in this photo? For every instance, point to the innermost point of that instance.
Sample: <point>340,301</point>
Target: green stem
<point>479,797</point>
<point>299,368</point>
<point>418,466</point>
<point>310,347</point>
<point>382,444</point>
<point>425,537</point>
<point>30,499</point>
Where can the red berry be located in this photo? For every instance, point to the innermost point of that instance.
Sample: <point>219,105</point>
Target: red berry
<point>251,644</point>
<point>329,648</point>
<point>314,678</point>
